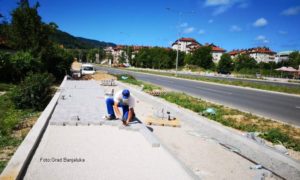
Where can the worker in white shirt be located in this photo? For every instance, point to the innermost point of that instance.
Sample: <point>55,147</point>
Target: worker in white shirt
<point>124,100</point>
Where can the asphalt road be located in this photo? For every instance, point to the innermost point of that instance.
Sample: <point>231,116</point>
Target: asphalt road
<point>276,106</point>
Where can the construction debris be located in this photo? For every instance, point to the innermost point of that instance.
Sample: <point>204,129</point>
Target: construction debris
<point>157,92</point>
<point>209,111</point>
<point>110,82</point>
<point>163,122</point>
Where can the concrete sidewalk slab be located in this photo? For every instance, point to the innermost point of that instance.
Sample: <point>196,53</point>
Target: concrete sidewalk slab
<point>100,152</point>
<point>79,144</point>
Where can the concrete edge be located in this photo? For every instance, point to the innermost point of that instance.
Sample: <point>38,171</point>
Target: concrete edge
<point>218,84</point>
<point>22,157</point>
<point>266,156</point>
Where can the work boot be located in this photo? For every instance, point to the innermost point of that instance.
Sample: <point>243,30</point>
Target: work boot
<point>110,117</point>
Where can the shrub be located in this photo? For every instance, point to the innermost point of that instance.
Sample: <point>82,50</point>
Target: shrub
<point>22,63</point>
<point>276,135</point>
<point>34,92</point>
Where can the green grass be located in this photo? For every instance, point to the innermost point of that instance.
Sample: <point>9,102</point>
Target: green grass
<point>147,87</point>
<point>10,118</point>
<point>268,87</point>
<point>272,131</point>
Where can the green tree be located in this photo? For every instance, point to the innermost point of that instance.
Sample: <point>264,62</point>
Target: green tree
<point>225,64</point>
<point>56,60</point>
<point>188,59</point>
<point>202,57</point>
<point>244,62</point>
<point>23,63</point>
<point>34,92</point>
<point>122,58</point>
<point>91,55</point>
<point>294,59</point>
<point>130,53</point>
<point>28,32</point>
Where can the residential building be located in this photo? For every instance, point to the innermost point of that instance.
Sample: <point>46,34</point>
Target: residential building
<point>189,45</point>
<point>217,52</point>
<point>282,56</point>
<point>260,54</point>
<point>186,45</point>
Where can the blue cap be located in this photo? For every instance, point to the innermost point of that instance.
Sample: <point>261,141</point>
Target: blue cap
<point>125,94</point>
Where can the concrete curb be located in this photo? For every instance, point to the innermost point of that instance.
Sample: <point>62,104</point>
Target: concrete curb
<point>279,163</point>
<point>17,165</point>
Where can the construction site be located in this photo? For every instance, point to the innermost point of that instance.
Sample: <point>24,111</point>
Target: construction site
<point>72,140</point>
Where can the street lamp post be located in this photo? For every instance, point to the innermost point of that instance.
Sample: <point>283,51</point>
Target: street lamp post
<point>177,49</point>
<point>127,47</point>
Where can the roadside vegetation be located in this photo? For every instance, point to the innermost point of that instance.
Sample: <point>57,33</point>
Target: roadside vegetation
<point>273,131</point>
<point>201,60</point>
<point>30,64</point>
<point>147,87</point>
<point>268,87</point>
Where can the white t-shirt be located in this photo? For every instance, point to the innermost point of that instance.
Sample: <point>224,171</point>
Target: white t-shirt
<point>119,98</point>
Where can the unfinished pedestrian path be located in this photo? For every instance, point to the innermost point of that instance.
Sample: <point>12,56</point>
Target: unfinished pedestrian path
<point>79,144</point>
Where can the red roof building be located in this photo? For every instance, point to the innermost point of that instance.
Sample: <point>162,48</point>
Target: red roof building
<point>260,54</point>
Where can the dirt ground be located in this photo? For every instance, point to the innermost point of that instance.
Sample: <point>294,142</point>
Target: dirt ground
<point>102,76</point>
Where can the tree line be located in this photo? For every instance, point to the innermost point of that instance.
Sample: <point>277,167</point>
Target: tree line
<point>30,59</point>
<point>164,58</point>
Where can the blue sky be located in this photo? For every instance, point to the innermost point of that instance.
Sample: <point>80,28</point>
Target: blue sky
<point>230,24</point>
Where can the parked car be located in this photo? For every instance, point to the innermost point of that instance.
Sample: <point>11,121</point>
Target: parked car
<point>87,69</point>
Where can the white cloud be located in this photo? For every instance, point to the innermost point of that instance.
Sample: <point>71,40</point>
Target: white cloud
<point>210,21</point>
<point>262,39</point>
<point>291,11</point>
<point>260,22</point>
<point>201,31</point>
<point>282,32</point>
<point>235,28</point>
<point>222,6</point>
<point>188,30</point>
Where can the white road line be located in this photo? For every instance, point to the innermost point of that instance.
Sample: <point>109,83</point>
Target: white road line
<point>297,107</point>
<point>213,90</point>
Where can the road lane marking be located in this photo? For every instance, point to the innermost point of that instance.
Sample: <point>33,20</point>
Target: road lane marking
<point>297,107</point>
<point>213,90</point>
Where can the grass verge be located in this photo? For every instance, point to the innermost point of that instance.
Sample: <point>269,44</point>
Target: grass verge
<point>275,132</point>
<point>14,126</point>
<point>147,87</point>
<point>268,87</point>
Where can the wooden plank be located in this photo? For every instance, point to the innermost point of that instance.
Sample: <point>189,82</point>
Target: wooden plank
<point>163,122</point>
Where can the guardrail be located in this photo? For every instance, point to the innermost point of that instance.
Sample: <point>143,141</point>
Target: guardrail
<point>18,164</point>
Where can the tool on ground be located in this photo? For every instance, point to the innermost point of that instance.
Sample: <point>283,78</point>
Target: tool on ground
<point>163,118</point>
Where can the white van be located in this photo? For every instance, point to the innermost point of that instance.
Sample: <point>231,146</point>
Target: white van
<point>87,69</point>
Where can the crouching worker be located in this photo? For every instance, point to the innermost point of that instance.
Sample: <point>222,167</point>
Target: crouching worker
<point>124,100</point>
